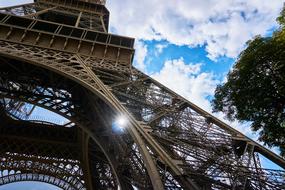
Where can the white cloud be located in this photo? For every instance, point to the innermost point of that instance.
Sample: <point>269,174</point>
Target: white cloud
<point>5,3</point>
<point>140,56</point>
<point>223,26</point>
<point>188,81</point>
<point>159,48</point>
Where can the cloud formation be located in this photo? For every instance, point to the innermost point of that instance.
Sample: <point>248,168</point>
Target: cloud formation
<point>5,3</point>
<point>222,26</point>
<point>192,83</point>
<point>141,53</point>
<point>159,48</point>
<point>188,81</point>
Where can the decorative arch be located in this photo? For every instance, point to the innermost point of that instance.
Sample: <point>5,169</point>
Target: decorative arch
<point>21,177</point>
<point>76,118</point>
<point>65,176</point>
<point>73,66</point>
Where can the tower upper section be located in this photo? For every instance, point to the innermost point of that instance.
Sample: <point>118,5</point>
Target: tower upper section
<point>90,14</point>
<point>102,2</point>
<point>77,26</point>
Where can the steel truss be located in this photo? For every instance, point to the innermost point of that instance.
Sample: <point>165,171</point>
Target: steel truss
<point>83,74</point>
<point>49,91</point>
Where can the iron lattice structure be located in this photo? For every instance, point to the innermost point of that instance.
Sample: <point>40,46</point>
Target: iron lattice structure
<point>58,55</point>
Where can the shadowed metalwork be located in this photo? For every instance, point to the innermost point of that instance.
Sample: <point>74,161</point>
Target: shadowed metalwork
<point>57,55</point>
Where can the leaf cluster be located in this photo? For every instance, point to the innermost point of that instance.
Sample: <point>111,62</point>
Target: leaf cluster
<point>255,88</point>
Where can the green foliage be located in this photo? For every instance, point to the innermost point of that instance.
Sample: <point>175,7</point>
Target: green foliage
<point>281,18</point>
<point>255,89</point>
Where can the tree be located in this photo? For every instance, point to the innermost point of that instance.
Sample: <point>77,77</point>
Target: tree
<point>255,88</point>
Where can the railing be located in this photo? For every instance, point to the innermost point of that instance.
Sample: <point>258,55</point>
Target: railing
<point>102,2</point>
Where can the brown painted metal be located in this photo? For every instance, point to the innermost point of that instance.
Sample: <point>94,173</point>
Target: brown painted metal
<point>57,55</point>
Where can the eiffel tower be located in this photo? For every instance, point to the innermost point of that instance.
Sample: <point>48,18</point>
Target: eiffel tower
<point>118,128</point>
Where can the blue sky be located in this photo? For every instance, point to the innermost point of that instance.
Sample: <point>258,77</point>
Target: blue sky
<point>190,45</point>
<point>28,186</point>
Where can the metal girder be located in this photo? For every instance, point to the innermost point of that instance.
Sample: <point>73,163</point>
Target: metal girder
<point>34,149</point>
<point>169,143</point>
<point>189,133</point>
<point>66,37</point>
<point>44,88</point>
<point>189,120</point>
<point>39,152</point>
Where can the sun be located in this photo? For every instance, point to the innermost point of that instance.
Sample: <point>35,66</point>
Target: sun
<point>121,122</point>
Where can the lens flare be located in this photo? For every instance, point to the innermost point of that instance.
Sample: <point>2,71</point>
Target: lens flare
<point>121,122</point>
